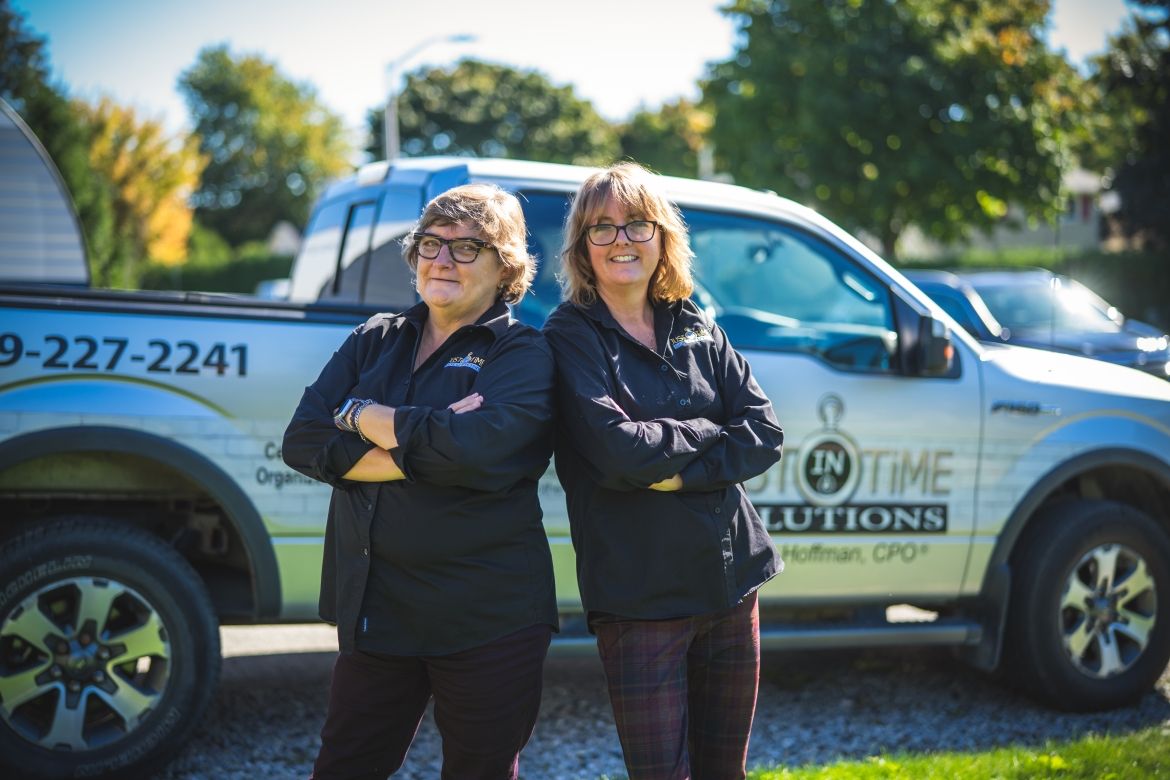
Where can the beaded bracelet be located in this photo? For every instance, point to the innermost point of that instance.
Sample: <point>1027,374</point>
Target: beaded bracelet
<point>345,416</point>
<point>357,413</point>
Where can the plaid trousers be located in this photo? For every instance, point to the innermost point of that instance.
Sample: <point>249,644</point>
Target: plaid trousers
<point>684,691</point>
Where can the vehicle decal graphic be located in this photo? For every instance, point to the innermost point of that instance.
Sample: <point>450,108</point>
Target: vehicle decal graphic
<point>829,467</point>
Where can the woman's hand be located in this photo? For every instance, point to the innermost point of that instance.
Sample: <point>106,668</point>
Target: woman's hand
<point>668,485</point>
<point>468,404</point>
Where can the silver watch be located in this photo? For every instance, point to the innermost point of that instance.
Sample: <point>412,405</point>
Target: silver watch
<point>342,417</point>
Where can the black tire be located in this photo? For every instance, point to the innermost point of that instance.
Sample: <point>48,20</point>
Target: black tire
<point>126,687</point>
<point>1089,620</point>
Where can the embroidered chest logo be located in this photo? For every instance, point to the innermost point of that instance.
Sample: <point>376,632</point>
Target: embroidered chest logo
<point>691,336</point>
<point>466,361</point>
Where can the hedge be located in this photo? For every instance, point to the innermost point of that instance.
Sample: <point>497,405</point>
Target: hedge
<point>239,275</point>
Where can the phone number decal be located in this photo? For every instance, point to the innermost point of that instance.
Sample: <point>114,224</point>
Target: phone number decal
<point>85,353</point>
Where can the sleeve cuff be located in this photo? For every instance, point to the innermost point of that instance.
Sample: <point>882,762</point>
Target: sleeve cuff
<point>340,455</point>
<point>408,426</point>
<point>399,456</point>
<point>708,432</point>
<point>694,474</point>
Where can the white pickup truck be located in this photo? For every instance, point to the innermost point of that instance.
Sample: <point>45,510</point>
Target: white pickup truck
<point>1014,503</point>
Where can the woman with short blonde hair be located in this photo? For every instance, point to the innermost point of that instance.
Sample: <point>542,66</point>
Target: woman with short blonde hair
<point>433,426</point>
<point>501,221</point>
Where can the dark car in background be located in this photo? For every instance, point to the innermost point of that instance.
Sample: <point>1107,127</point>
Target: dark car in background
<point>1037,308</point>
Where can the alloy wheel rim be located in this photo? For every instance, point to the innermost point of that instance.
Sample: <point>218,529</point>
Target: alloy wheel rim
<point>1108,610</point>
<point>83,662</point>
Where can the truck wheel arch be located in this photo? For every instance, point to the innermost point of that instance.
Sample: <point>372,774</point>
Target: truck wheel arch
<point>1050,483</point>
<point>238,508</point>
<point>996,586</point>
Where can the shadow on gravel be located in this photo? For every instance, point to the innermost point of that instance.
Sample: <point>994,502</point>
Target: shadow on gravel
<point>815,707</point>
<point>264,721</point>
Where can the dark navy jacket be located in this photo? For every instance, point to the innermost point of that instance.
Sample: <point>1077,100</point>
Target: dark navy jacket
<point>629,416</point>
<point>455,555</point>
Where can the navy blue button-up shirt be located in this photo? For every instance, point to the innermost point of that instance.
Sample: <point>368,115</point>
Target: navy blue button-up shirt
<point>630,416</point>
<point>455,555</point>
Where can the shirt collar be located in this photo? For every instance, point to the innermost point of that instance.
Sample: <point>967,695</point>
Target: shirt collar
<point>496,319</point>
<point>664,316</point>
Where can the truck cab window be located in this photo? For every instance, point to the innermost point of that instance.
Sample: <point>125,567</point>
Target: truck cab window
<point>544,213</point>
<point>317,262</point>
<point>779,289</point>
<point>346,284</point>
<point>389,280</point>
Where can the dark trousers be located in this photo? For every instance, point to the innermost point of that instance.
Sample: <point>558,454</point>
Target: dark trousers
<point>684,692</point>
<point>486,701</point>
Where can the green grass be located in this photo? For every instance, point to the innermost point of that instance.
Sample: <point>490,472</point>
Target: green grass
<point>1140,754</point>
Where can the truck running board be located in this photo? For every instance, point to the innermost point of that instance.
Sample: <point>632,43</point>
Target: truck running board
<point>820,635</point>
<point>811,636</point>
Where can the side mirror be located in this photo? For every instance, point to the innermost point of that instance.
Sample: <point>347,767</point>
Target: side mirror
<point>935,353</point>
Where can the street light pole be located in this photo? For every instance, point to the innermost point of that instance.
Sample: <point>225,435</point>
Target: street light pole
<point>390,126</point>
<point>390,112</point>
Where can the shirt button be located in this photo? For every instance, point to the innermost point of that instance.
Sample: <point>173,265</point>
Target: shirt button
<point>664,368</point>
<point>684,402</point>
<point>718,510</point>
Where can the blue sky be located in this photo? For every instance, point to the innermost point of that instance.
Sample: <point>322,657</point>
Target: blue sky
<point>617,53</point>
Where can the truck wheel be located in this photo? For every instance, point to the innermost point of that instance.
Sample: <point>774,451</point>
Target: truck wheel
<point>109,651</point>
<point>1088,625</point>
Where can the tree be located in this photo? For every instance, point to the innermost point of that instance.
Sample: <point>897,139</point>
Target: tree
<point>152,176</point>
<point>668,140</point>
<point>938,113</point>
<point>1133,77</point>
<point>271,145</point>
<point>24,84</point>
<point>483,110</point>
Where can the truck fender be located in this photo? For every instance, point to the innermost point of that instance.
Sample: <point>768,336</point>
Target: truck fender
<point>236,504</point>
<point>996,586</point>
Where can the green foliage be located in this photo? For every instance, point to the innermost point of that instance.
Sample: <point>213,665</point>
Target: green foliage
<point>213,265</point>
<point>151,176</point>
<point>240,272</point>
<point>206,247</point>
<point>24,63</point>
<point>271,144</point>
<point>667,140</point>
<point>1144,753</point>
<point>24,83</point>
<point>483,110</point>
<point>926,112</point>
<point>1133,79</point>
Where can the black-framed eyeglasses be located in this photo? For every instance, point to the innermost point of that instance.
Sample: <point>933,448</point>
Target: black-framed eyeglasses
<point>463,250</point>
<point>638,231</point>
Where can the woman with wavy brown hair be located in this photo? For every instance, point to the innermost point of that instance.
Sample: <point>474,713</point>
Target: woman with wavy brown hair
<point>659,420</point>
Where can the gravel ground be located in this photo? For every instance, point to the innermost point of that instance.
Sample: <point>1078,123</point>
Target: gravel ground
<point>814,707</point>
